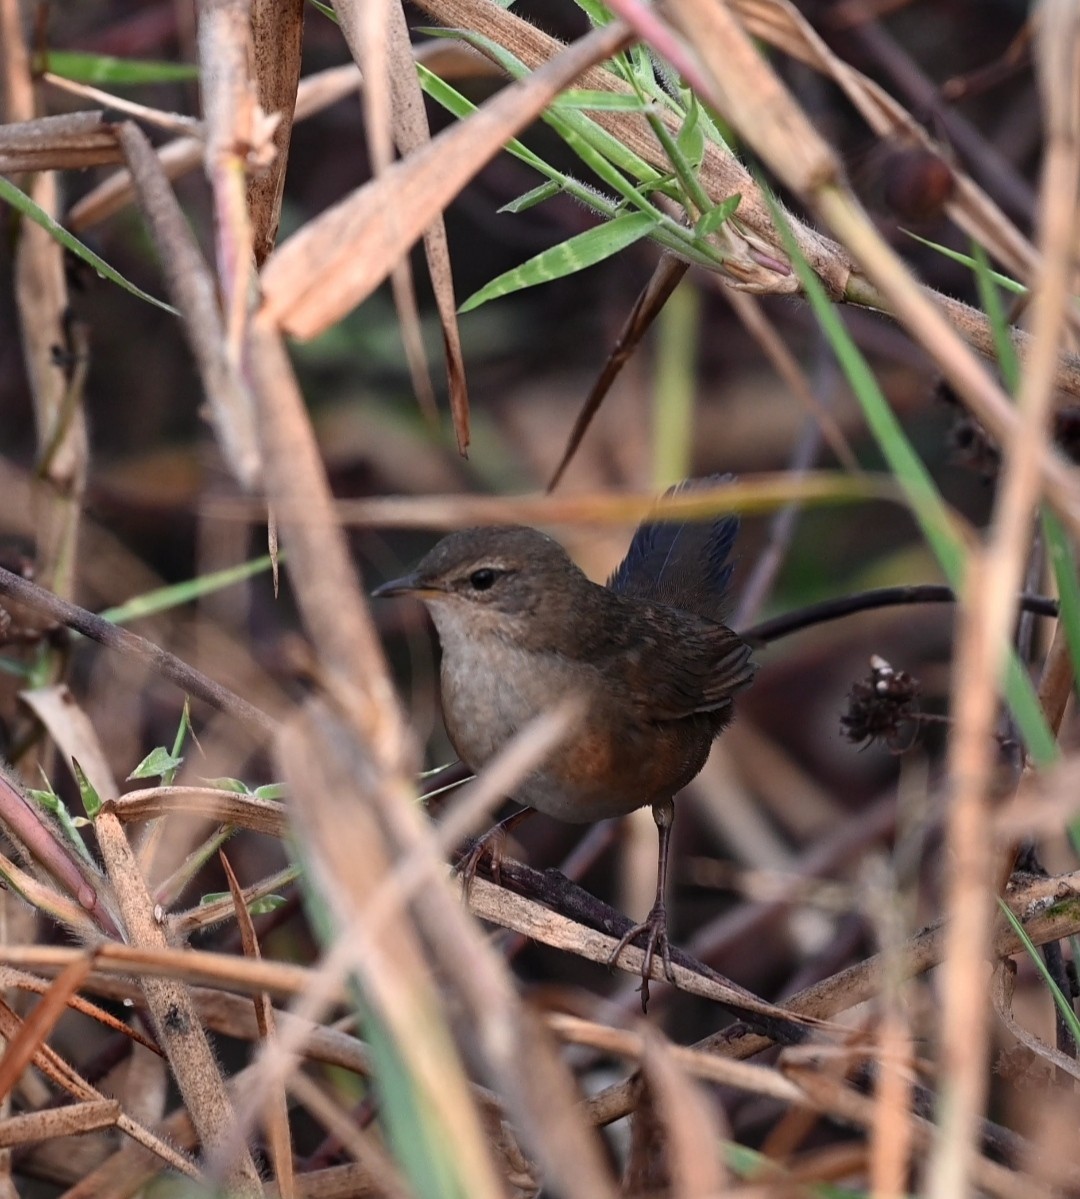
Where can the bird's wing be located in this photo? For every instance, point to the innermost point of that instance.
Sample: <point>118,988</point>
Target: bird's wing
<point>675,665</point>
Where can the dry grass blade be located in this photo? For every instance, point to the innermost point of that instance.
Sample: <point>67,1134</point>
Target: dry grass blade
<point>173,122</point>
<point>665,278</point>
<point>194,291</point>
<point>206,914</point>
<point>372,1158</point>
<point>1048,910</point>
<point>322,573</point>
<point>338,259</point>
<point>379,42</point>
<point>833,1095</point>
<point>1001,996</point>
<point>234,1016</point>
<point>539,923</point>
<point>411,133</point>
<point>53,1066</point>
<point>38,986</point>
<point>515,1053</point>
<point>21,1049</point>
<point>277,35</point>
<point>71,1121</point>
<point>227,807</point>
<point>42,300</point>
<point>780,24</point>
<point>692,1138</point>
<point>348,858</point>
<point>989,611</point>
<point>275,1104</point>
<point>315,93</point>
<point>78,139</point>
<point>238,138</point>
<point>756,259</point>
<point>762,493</point>
<point>47,1060</point>
<point>194,965</point>
<point>750,311</point>
<point>194,682</point>
<point>71,729</point>
<point>734,71</point>
<point>758,1080</point>
<point>176,1020</point>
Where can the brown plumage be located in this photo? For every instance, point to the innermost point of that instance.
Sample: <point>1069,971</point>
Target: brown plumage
<point>522,627</point>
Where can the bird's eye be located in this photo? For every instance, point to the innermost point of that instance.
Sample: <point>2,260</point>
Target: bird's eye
<point>483,579</point>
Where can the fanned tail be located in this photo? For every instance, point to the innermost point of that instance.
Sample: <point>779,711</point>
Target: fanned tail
<point>684,564</point>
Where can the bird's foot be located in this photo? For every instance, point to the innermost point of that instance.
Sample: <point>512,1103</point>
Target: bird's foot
<point>655,926</point>
<point>491,845</point>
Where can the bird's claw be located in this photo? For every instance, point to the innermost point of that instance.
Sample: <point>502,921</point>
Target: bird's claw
<point>655,925</point>
<point>491,845</point>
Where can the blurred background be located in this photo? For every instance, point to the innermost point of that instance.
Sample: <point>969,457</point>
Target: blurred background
<point>778,843</point>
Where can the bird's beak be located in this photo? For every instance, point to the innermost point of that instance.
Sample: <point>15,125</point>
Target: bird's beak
<point>406,585</point>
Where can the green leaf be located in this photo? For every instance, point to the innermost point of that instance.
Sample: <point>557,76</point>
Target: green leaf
<point>227,784</point>
<point>257,907</point>
<point>157,763</point>
<point>710,221</point>
<point>55,806</point>
<point>570,256</point>
<point>691,139</point>
<point>598,101</point>
<point>91,801</point>
<point>22,203</point>
<point>598,15</point>
<point>537,196</point>
<point>274,791</point>
<point>103,68</point>
<point>169,777</point>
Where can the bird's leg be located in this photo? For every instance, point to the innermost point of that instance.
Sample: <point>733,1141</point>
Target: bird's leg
<point>655,924</point>
<point>492,844</point>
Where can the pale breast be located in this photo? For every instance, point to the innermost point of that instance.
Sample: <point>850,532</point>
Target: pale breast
<point>605,767</point>
<point>494,690</point>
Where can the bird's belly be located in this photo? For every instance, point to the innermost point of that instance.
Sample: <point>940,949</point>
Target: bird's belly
<point>605,767</point>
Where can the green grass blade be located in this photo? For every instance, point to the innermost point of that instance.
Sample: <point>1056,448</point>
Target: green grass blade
<point>668,233</point>
<point>926,503</point>
<point>575,254</point>
<point>598,101</point>
<point>986,282</point>
<point>22,203</point>
<point>966,260</point>
<point>588,131</point>
<point>678,328</point>
<point>103,68</point>
<point>164,598</point>
<point>1061,1002</point>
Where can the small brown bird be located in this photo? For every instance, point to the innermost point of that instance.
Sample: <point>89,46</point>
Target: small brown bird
<point>522,627</point>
